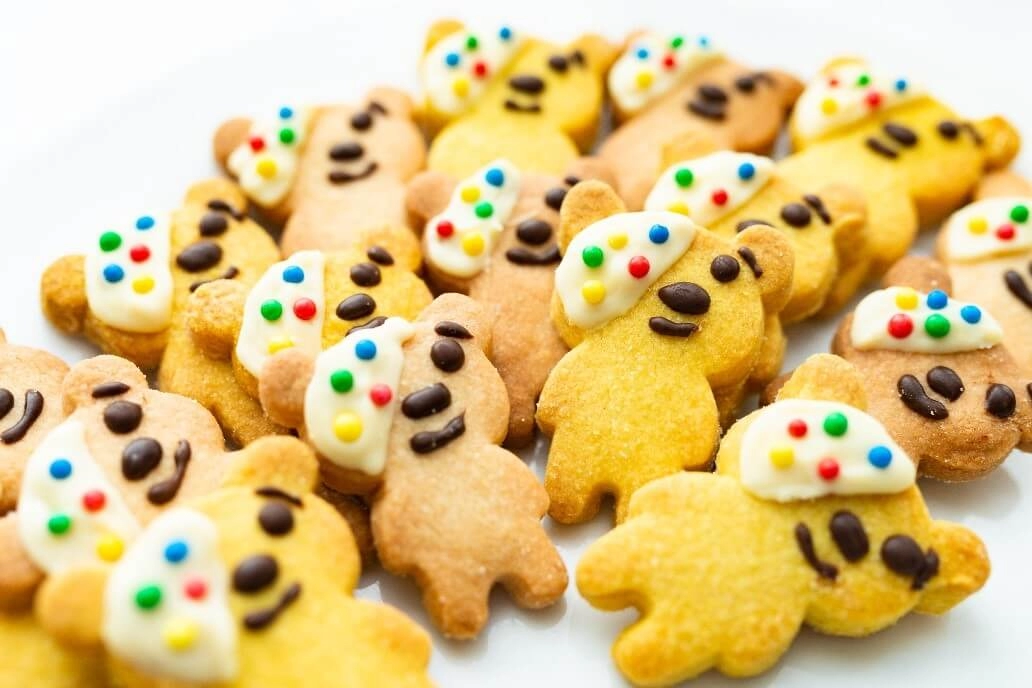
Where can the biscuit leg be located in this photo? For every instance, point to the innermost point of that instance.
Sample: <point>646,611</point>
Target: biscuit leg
<point>538,579</point>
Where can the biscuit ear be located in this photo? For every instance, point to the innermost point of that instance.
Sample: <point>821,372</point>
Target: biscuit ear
<point>963,568</point>
<point>464,311</point>
<point>1001,141</point>
<point>214,189</point>
<point>427,194</point>
<point>86,376</point>
<point>788,87</point>
<point>920,273</point>
<point>70,606</point>
<point>282,462</point>
<point>440,29</point>
<point>214,314</point>
<point>1003,183</point>
<point>766,251</point>
<point>585,204</point>
<point>600,53</point>
<point>591,167</point>
<point>282,385</point>
<point>828,378</point>
<point>228,136</point>
<point>62,293</point>
<point>396,102</point>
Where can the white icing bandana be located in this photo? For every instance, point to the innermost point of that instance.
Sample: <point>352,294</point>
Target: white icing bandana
<point>266,164</point>
<point>990,228</point>
<point>459,67</point>
<point>653,64</point>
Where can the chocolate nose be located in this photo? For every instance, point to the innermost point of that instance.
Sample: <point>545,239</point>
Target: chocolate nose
<point>713,93</point>
<point>346,151</point>
<point>685,297</point>
<point>255,573</point>
<point>199,256</point>
<point>527,83</point>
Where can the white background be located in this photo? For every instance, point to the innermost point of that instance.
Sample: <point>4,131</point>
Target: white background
<point>107,111</point>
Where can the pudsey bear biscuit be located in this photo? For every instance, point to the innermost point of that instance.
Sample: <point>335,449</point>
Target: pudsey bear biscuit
<point>813,517</point>
<point>538,106</point>
<point>493,236</point>
<point>702,99</point>
<point>417,410</point>
<point>660,314</point>
<point>937,374</point>
<point>913,158</point>
<point>335,174</point>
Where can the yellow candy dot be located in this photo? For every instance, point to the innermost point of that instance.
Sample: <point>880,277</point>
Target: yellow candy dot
<point>347,426</point>
<point>906,299</point>
<point>266,168</point>
<point>460,87</point>
<point>829,106</point>
<point>473,244</point>
<point>643,79</point>
<point>470,194</point>
<point>142,285</point>
<point>679,207</point>
<point>110,548</point>
<point>179,634</point>
<point>617,241</point>
<point>782,457</point>
<point>593,291</point>
<point>279,344</point>
<point>977,225</point>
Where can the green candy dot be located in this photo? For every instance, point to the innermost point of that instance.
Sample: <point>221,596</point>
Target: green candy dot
<point>148,597</point>
<point>863,80</point>
<point>286,135</point>
<point>592,256</point>
<point>272,310</point>
<point>342,380</point>
<point>1019,213</point>
<point>484,209</point>
<point>109,241</point>
<point>835,424</point>
<point>684,177</point>
<point>937,326</point>
<point>676,42</point>
<point>472,43</point>
<point>59,524</point>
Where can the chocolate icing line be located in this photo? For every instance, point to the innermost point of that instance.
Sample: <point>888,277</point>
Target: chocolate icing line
<point>32,411</point>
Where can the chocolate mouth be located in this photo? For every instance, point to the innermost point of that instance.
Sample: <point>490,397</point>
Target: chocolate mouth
<point>33,408</point>
<point>1017,287</point>
<point>256,621</point>
<point>513,106</point>
<point>427,441</point>
<point>342,177</point>
<point>524,256</point>
<point>669,328</point>
<point>228,273</point>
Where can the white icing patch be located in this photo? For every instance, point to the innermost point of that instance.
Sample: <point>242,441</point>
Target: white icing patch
<point>68,513</point>
<point>708,188</point>
<point>287,283</point>
<point>460,240</point>
<point>902,319</point>
<point>862,459</point>
<point>454,75</point>
<point>188,633</point>
<point>990,228</point>
<point>592,296</point>
<point>265,165</point>
<point>652,65</point>
<point>128,280</point>
<point>350,401</point>
<point>847,94</point>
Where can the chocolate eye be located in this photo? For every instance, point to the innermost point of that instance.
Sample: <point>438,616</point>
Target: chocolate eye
<point>745,84</point>
<point>577,58</point>
<point>713,93</point>
<point>558,63</point>
<point>554,198</point>
<point>685,297</point>
<point>796,214</point>
<point>1000,401</point>
<point>360,121</point>
<point>948,130</point>
<point>902,135</point>
<point>276,519</point>
<point>849,535</point>
<point>945,381</point>
<point>725,269</point>
<point>140,457</point>
<point>213,224</point>
<point>533,231</point>
<point>255,573</point>
<point>447,355</point>
<point>199,256</point>
<point>378,254</point>
<point>122,417</point>
<point>365,275</point>
<point>356,307</point>
<point>902,555</point>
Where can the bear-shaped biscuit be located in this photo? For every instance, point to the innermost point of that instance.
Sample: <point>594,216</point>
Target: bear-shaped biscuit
<point>937,373</point>
<point>661,315</point>
<point>505,261</point>
<point>913,158</point>
<point>416,410</point>
<point>702,98</point>
<point>987,249</point>
<point>727,192</point>
<point>538,106</point>
<point>812,517</point>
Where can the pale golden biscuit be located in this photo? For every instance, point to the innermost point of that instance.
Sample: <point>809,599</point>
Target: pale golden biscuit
<point>514,278</point>
<point>937,374</point>
<point>335,174</point>
<point>724,573</point>
<point>415,411</point>
<point>660,314</point>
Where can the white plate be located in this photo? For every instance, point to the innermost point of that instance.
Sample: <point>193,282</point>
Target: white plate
<point>109,113</point>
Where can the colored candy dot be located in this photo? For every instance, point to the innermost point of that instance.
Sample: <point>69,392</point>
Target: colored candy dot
<point>285,112</point>
<point>286,135</point>
<point>139,253</point>
<point>59,524</point>
<point>460,87</point>
<point>643,53</point>
<point>451,59</point>
<point>304,309</point>
<point>684,177</point>
<point>719,197</point>
<point>1005,232</point>
<point>873,99</point>
<point>60,469</point>
<point>828,469</point>
<point>176,551</point>
<point>797,428</point>
<point>180,634</point>
<point>484,210</point>
<point>863,80</point>
<point>937,299</point>
<point>148,597</point>
<point>594,292</point>
<point>906,299</point>
<point>144,222</point>
<point>833,82</point>
<point>977,225</point>
<point>679,207</point>
<point>380,395</point>
<point>676,42</point>
<point>835,424</point>
<point>495,177</point>
<point>277,344</point>
<point>617,241</point>
<point>480,69</point>
<point>143,285</point>
<point>901,85</point>
<point>113,273</point>
<point>470,194</point>
<point>643,79</point>
<point>471,43</point>
<point>937,326</point>
<point>782,457</point>
<point>829,106</point>
<point>266,168</point>
<point>900,326</point>
<point>347,426</point>
<point>669,62</point>
<point>703,42</point>
<point>592,256</point>
<point>272,310</point>
<point>445,229</point>
<point>293,274</point>
<point>110,548</point>
<point>1019,213</point>
<point>109,241</point>
<point>473,244</point>
<point>638,266</point>
<point>505,33</point>
<point>257,143</point>
<point>195,589</point>
<point>365,349</point>
<point>746,170</point>
<point>971,314</point>
<point>658,234</point>
<point>879,456</point>
<point>94,500</point>
<point>342,380</point>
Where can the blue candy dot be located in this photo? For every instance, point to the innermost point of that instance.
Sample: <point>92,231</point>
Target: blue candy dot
<point>293,274</point>
<point>366,349</point>
<point>145,222</point>
<point>937,299</point>
<point>495,177</point>
<point>505,33</point>
<point>285,112</point>
<point>60,469</point>
<point>971,314</point>
<point>879,456</point>
<point>114,273</point>
<point>703,42</point>
<point>746,170</point>
<point>658,234</point>
<point>643,53</point>
<point>901,85</point>
<point>176,551</point>
<point>451,59</point>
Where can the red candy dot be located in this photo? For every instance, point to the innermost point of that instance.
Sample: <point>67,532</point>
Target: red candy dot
<point>257,143</point>
<point>828,469</point>
<point>480,69</point>
<point>380,394</point>
<point>797,428</point>
<point>833,82</point>
<point>139,253</point>
<point>719,197</point>
<point>669,62</point>
<point>638,266</point>
<point>195,589</point>
<point>873,99</point>
<point>93,500</point>
<point>1005,232</point>
<point>445,229</point>
<point>900,326</point>
<point>304,309</point>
